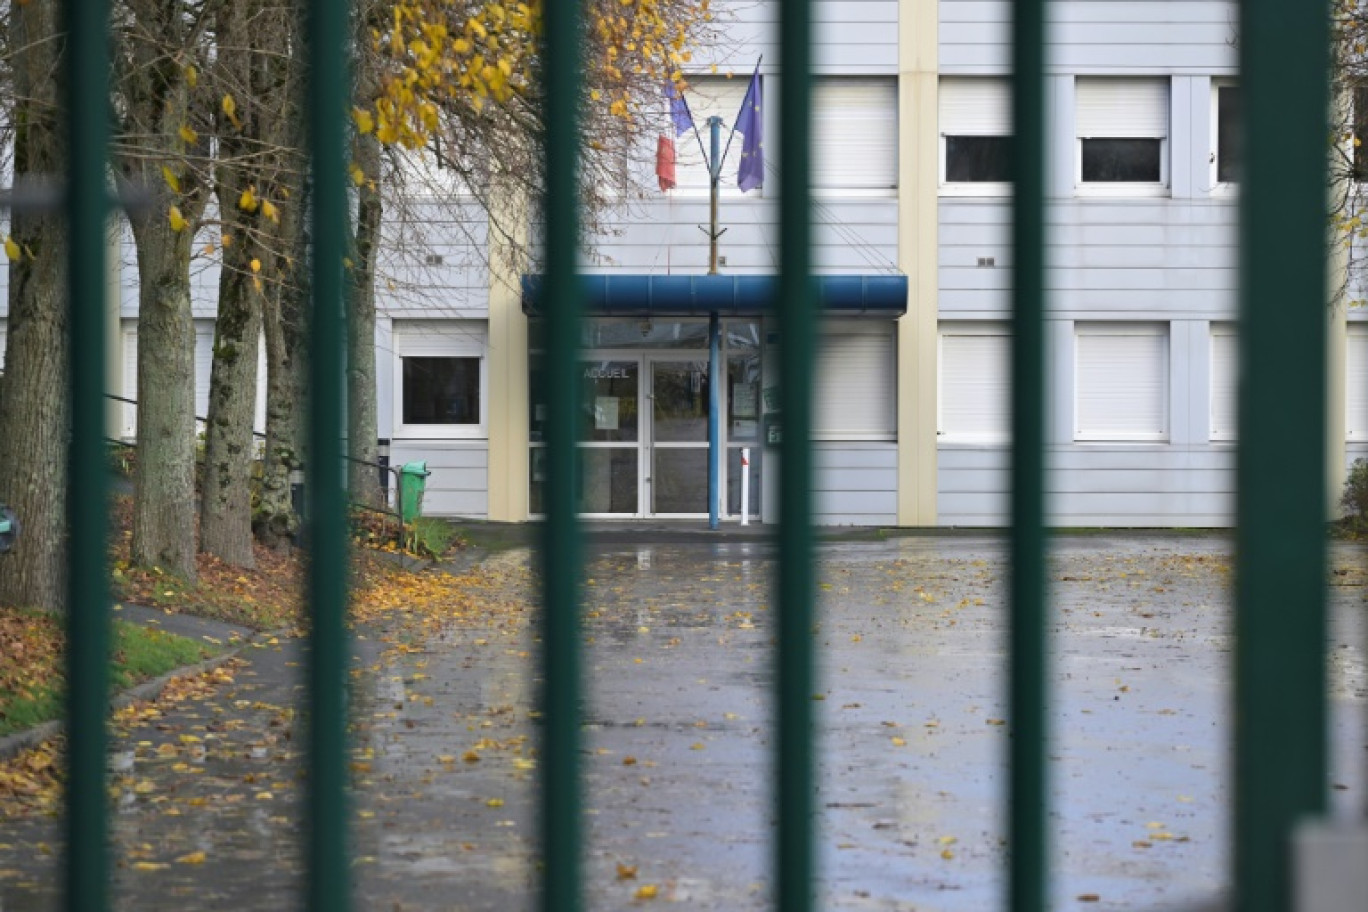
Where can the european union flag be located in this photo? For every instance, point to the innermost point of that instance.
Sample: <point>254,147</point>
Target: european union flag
<point>749,124</point>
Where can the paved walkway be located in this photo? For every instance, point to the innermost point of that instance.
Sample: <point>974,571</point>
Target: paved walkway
<point>679,640</point>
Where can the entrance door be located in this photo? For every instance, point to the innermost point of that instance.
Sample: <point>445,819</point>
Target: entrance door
<point>676,477</point>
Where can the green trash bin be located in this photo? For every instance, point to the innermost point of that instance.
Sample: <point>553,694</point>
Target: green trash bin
<point>412,482</point>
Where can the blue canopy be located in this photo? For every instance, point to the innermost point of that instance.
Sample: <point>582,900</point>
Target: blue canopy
<point>630,295</point>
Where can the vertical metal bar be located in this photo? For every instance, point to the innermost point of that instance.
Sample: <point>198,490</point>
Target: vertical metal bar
<point>716,384</point>
<point>561,888</point>
<point>1027,836</point>
<point>328,883</point>
<point>797,306</point>
<point>1280,758</point>
<point>87,67</point>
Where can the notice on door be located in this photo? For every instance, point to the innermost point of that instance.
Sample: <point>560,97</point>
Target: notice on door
<point>606,413</point>
<point>744,400</point>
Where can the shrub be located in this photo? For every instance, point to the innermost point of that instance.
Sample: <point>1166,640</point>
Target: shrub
<point>1354,500</point>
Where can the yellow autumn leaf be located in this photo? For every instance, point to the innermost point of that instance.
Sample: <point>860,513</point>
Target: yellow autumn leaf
<point>187,134</point>
<point>364,121</point>
<point>248,201</point>
<point>150,865</point>
<point>626,872</point>
<point>470,757</point>
<point>178,221</point>
<point>899,742</point>
<point>171,180</point>
<point>647,891</point>
<point>255,265</point>
<point>495,802</point>
<point>229,106</point>
<point>11,248</point>
<point>191,76</point>
<point>357,175</point>
<point>191,858</point>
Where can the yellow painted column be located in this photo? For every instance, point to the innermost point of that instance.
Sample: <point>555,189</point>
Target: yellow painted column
<point>918,183</point>
<point>508,362</point>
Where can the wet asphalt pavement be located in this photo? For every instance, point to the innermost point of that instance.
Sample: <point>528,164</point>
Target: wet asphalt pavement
<point>911,740</point>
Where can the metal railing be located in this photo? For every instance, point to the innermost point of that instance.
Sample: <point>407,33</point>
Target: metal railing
<point>1280,748</point>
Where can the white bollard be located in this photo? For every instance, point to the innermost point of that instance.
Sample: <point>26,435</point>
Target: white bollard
<point>745,486</point>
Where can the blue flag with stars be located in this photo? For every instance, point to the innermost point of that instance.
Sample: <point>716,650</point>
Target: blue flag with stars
<point>748,124</point>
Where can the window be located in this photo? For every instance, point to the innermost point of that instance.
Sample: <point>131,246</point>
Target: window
<point>1356,379</point>
<point>440,378</point>
<point>1121,381</point>
<point>708,96</point>
<point>1122,127</point>
<point>3,343</point>
<point>1227,157</point>
<point>975,383</point>
<point>855,398</point>
<point>975,132</point>
<point>854,133</point>
<point>1224,381</point>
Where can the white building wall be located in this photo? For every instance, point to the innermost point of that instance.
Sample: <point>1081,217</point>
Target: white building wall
<point>1168,258</point>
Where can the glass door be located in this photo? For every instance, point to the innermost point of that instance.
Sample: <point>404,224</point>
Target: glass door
<point>610,448</point>
<point>677,443</point>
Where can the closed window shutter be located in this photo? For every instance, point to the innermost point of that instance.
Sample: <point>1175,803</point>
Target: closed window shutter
<point>855,134</point>
<point>130,383</point>
<point>708,96</point>
<point>1224,380</point>
<point>975,106</point>
<point>260,417</point>
<point>204,364</point>
<point>975,386</point>
<point>1356,377</point>
<point>856,384</point>
<point>1122,383</point>
<point>1121,107</point>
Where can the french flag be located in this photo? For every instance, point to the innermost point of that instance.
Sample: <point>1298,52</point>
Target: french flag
<point>665,146</point>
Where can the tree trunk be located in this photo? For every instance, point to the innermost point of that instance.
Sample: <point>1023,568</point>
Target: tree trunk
<point>34,415</point>
<point>226,498</point>
<point>164,476</point>
<point>283,312</point>
<point>361,392</point>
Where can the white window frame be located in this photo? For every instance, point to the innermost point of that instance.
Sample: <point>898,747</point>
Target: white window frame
<point>1215,433</point>
<point>1121,188</point>
<point>881,88</point>
<point>1357,330</point>
<point>1119,328</point>
<point>996,123</point>
<point>886,331</point>
<point>972,328</point>
<point>1219,187</point>
<point>440,339</point>
<point>686,146</point>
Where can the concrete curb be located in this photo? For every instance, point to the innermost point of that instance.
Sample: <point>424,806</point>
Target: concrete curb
<point>13,744</point>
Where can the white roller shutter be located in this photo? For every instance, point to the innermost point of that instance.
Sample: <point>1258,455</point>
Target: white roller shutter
<point>1224,381</point>
<point>130,381</point>
<point>856,383</point>
<point>855,133</point>
<point>1121,381</point>
<point>260,415</point>
<point>975,384</point>
<point>1111,107</point>
<point>975,106</point>
<point>1356,378</point>
<point>204,364</point>
<point>708,96</point>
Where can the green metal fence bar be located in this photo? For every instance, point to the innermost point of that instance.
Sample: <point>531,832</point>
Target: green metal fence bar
<point>1280,756</point>
<point>87,75</point>
<point>1028,875</point>
<point>797,308</point>
<point>328,879</point>
<point>561,829</point>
